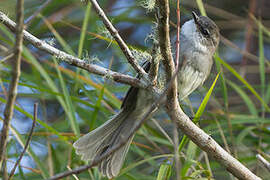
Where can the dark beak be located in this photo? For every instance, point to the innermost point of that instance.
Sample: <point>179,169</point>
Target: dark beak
<point>195,17</point>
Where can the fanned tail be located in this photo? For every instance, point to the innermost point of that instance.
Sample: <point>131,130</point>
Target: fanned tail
<point>101,140</point>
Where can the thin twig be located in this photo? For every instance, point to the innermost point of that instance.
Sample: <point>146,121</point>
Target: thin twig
<point>208,164</point>
<point>7,57</point>
<point>118,77</point>
<point>3,48</point>
<point>157,148</point>
<point>222,135</point>
<point>153,72</point>
<point>165,48</point>
<point>162,130</point>
<point>75,177</point>
<point>177,35</point>
<point>132,61</point>
<point>25,167</point>
<point>27,142</point>
<point>12,92</point>
<point>175,129</point>
<point>176,152</point>
<point>265,163</point>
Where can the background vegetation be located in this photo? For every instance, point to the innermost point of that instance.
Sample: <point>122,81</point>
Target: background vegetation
<point>73,102</point>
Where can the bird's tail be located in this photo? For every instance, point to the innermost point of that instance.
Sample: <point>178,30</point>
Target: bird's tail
<point>101,140</point>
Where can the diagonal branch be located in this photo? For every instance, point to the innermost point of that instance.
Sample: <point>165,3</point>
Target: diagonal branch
<point>27,142</point>
<point>264,162</point>
<point>118,39</point>
<point>209,145</point>
<point>118,77</point>
<point>12,92</point>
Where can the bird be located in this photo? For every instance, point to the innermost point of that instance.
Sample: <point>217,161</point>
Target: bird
<point>199,39</point>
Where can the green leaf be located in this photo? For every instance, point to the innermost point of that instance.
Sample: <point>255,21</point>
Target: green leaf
<point>244,133</point>
<point>59,38</point>
<point>201,7</point>
<point>70,108</point>
<point>21,140</point>
<point>252,90</point>
<point>205,101</point>
<point>49,128</point>
<point>164,172</point>
<point>133,165</point>
<point>84,29</point>
<point>223,83</point>
<point>49,81</point>
<point>261,63</point>
<point>245,97</point>
<point>199,111</point>
<point>190,155</point>
<point>81,42</point>
<point>97,108</point>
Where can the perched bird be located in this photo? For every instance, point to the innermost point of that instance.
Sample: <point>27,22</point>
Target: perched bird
<point>199,39</point>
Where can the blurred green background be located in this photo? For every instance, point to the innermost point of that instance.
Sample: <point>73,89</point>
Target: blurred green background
<point>73,101</point>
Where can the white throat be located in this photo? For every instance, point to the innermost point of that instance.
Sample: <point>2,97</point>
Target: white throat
<point>190,33</point>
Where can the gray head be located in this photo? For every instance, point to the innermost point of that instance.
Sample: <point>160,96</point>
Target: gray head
<point>201,33</point>
<point>208,30</point>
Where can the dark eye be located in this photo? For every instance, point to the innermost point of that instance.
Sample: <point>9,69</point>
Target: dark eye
<point>205,32</point>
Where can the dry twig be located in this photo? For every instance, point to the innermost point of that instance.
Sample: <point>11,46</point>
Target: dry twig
<point>12,92</point>
<point>132,61</point>
<point>42,45</point>
<point>265,163</point>
<point>27,142</point>
<point>165,48</point>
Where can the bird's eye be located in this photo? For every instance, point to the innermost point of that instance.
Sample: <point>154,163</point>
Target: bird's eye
<point>205,32</point>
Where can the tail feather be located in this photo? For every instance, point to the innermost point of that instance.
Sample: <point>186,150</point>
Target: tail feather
<point>101,140</point>
<point>89,144</point>
<point>112,164</point>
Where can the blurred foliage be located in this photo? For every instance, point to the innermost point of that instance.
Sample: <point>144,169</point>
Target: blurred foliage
<point>73,101</point>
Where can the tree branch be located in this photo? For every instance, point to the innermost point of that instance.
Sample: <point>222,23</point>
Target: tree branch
<point>265,163</point>
<point>12,93</point>
<point>118,77</point>
<point>27,142</point>
<point>132,61</point>
<point>177,43</point>
<point>153,72</point>
<point>209,145</point>
<point>165,48</point>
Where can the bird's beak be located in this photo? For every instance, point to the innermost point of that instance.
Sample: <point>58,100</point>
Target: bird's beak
<point>195,17</point>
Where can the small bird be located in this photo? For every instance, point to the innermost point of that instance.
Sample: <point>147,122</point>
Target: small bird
<point>199,39</point>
